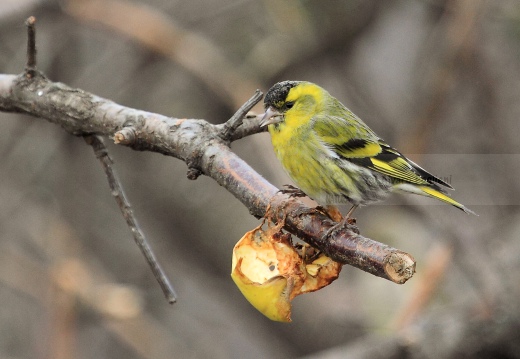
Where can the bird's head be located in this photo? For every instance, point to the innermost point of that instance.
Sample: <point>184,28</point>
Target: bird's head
<point>299,99</point>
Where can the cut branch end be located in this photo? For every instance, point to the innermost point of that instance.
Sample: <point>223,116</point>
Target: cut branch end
<point>399,267</point>
<point>125,137</point>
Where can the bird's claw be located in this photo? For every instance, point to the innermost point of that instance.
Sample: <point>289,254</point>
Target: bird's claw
<point>345,223</point>
<point>331,211</point>
<point>307,252</point>
<point>292,191</point>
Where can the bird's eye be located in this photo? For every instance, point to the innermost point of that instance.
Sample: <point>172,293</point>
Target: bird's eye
<point>289,104</point>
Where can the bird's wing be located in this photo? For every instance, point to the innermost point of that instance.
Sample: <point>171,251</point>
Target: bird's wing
<point>350,141</point>
<point>347,138</point>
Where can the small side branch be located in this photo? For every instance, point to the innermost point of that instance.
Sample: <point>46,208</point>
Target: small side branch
<point>237,119</point>
<point>30,67</point>
<point>116,189</point>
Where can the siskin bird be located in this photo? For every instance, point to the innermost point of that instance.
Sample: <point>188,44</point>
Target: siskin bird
<point>333,156</point>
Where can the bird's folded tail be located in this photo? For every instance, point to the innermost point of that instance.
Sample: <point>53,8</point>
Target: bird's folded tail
<point>434,193</point>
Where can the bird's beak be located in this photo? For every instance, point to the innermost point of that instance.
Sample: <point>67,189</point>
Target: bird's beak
<point>271,116</point>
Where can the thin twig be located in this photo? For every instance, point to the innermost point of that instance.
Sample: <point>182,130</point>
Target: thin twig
<point>437,263</point>
<point>116,189</point>
<point>30,68</point>
<point>164,35</point>
<point>236,120</point>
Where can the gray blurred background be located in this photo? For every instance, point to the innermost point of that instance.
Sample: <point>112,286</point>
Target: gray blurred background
<point>440,80</point>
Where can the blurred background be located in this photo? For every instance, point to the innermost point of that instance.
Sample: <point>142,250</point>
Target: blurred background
<point>438,79</point>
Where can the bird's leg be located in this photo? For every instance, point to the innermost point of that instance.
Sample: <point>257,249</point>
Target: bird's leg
<point>348,217</point>
<point>292,191</point>
<point>332,212</point>
<point>345,222</point>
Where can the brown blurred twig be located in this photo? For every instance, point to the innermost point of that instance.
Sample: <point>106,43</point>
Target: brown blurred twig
<point>460,22</point>
<point>160,33</point>
<point>72,280</point>
<point>439,259</point>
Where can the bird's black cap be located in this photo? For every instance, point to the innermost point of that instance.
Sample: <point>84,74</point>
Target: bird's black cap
<point>277,94</point>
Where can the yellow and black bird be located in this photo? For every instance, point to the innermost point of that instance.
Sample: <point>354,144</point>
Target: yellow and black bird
<point>333,156</point>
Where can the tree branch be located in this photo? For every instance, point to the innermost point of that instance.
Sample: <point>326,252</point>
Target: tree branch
<point>205,149</point>
<point>202,147</point>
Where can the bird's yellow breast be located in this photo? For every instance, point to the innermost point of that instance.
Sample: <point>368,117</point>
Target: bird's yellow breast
<point>293,140</point>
